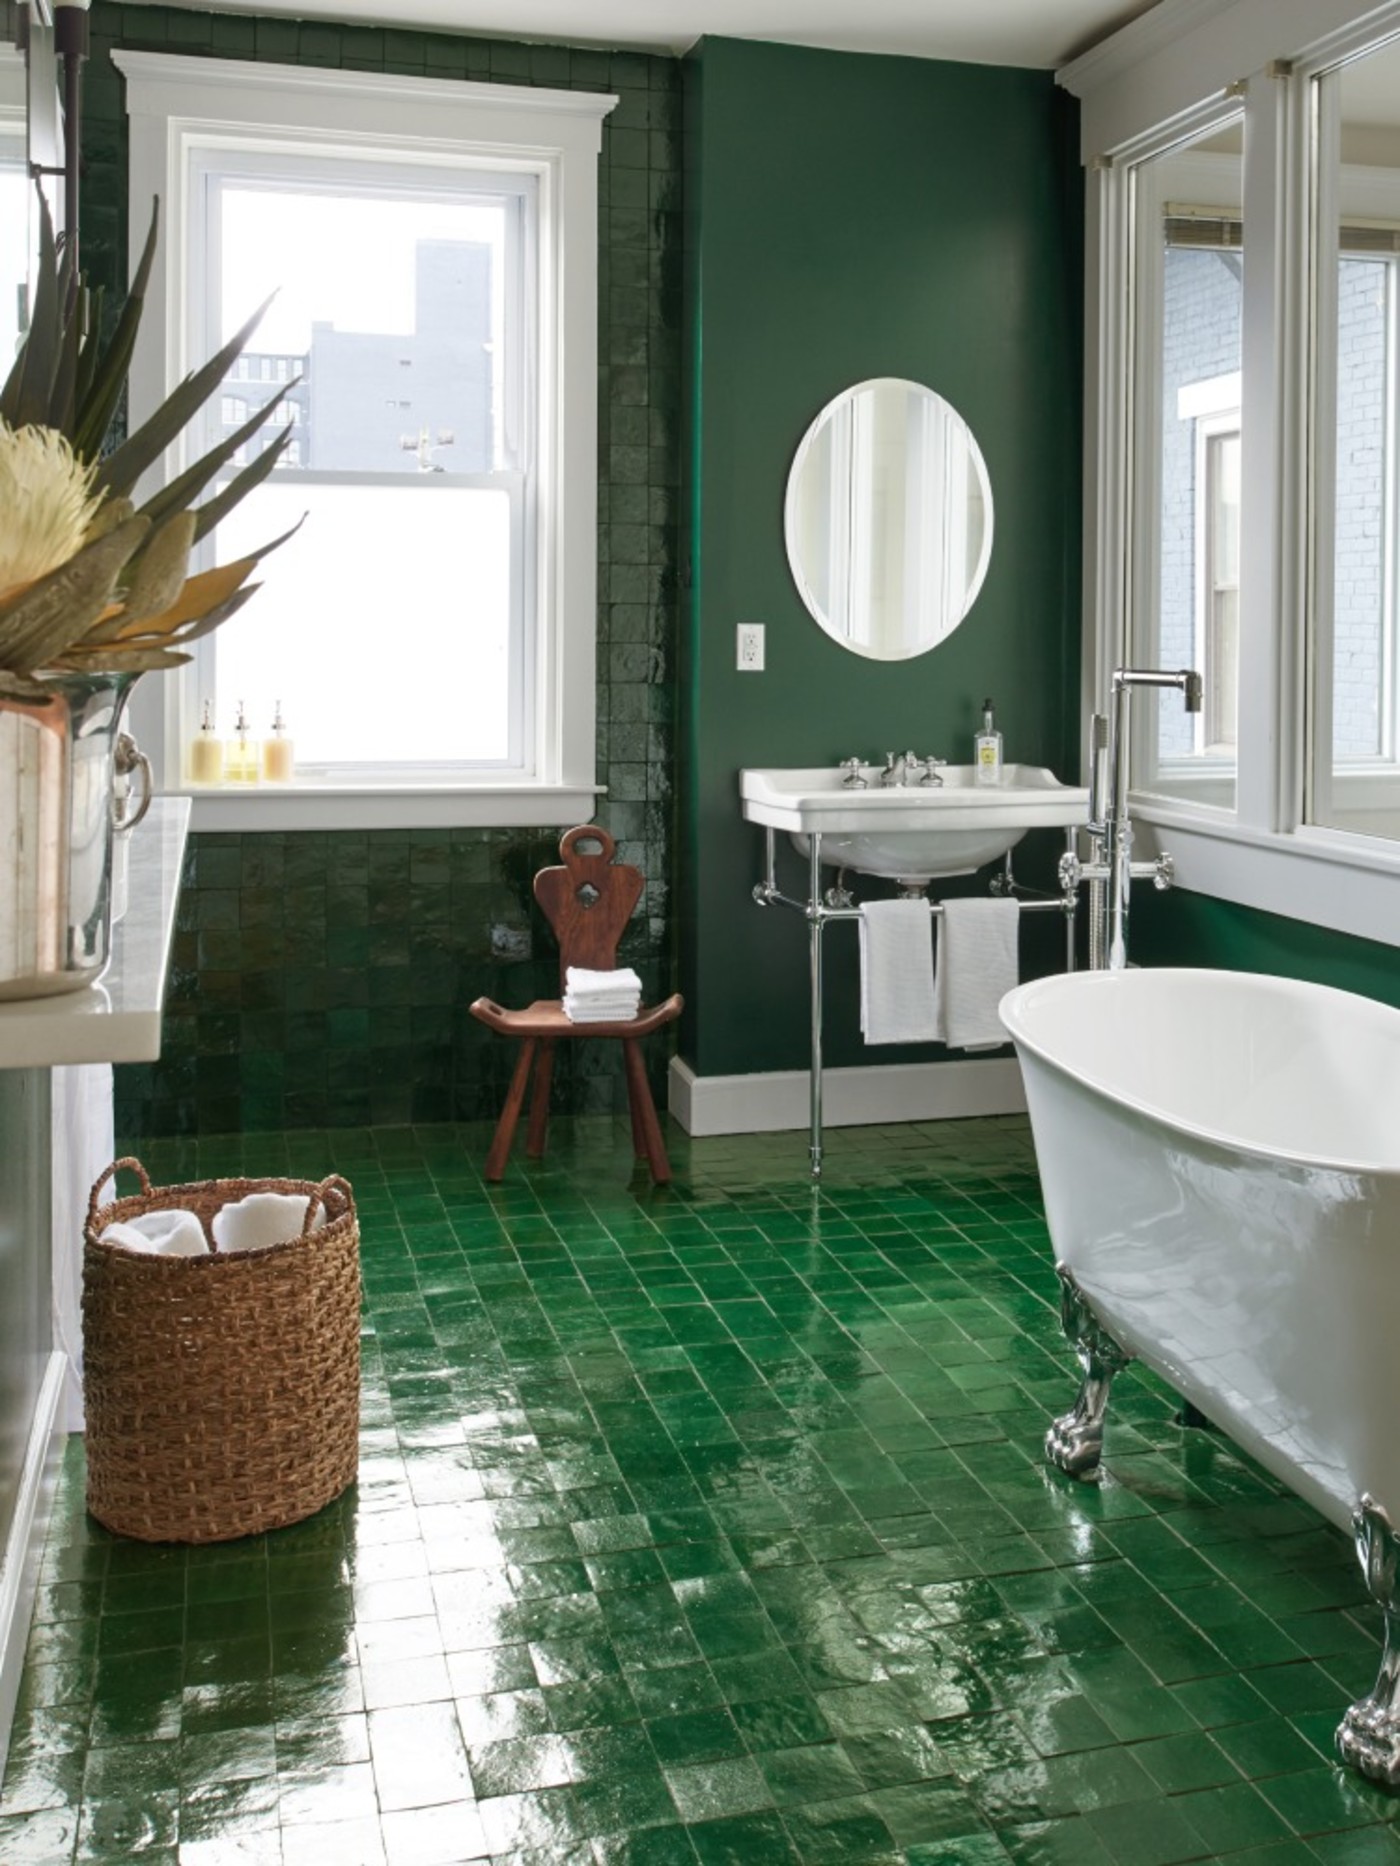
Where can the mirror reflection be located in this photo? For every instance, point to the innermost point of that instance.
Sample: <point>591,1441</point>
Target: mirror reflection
<point>889,519</point>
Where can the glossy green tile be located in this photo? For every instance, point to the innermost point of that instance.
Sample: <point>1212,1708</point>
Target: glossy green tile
<point>603,1597</point>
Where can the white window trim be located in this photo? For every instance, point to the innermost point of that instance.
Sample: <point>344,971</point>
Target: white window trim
<point>1166,77</point>
<point>173,102</point>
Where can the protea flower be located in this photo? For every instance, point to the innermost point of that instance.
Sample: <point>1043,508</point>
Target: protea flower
<point>48,503</point>
<point>86,580</point>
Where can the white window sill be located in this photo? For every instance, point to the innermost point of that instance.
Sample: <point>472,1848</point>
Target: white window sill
<point>1323,876</point>
<point>242,807</point>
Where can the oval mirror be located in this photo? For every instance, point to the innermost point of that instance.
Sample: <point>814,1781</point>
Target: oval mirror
<point>888,519</point>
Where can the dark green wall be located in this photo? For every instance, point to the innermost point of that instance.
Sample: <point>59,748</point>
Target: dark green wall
<point>323,980</point>
<point>849,217</point>
<point>1182,928</point>
<point>847,220</point>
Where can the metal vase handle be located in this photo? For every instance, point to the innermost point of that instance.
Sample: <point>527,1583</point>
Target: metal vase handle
<point>129,758</point>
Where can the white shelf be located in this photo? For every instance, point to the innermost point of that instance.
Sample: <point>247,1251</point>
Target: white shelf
<point>118,1019</point>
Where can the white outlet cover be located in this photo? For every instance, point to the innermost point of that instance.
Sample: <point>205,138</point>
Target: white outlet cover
<point>749,649</point>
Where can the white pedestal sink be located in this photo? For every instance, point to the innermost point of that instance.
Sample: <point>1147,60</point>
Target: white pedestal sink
<point>914,833</point>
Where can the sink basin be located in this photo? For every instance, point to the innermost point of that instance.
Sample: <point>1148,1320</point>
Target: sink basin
<point>912,833</point>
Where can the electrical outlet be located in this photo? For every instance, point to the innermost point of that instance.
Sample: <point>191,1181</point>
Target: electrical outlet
<point>750,647</point>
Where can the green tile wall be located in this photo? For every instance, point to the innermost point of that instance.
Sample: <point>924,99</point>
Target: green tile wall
<point>323,979</point>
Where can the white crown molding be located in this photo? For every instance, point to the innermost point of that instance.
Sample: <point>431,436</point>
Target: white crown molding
<point>245,75</point>
<point>1139,39</point>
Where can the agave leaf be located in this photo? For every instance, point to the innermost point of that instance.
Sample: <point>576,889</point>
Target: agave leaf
<point>120,471</point>
<point>123,660</point>
<point>157,573</point>
<point>215,618</point>
<point>107,627</point>
<point>99,403</point>
<point>58,609</point>
<point>110,514</point>
<point>64,388</point>
<point>204,592</point>
<point>25,397</point>
<point>215,510</point>
<point>93,299</point>
<point>199,594</point>
<point>178,494</point>
<point>21,687</point>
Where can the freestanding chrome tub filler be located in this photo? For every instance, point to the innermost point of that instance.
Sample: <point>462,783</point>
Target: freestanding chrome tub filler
<point>1220,1156</point>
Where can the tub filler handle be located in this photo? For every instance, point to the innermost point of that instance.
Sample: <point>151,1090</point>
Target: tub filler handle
<point>1368,1737</point>
<point>1074,1442</point>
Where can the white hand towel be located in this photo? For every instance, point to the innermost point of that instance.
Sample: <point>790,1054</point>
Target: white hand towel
<point>599,1013</point>
<point>978,964</point>
<point>897,1002</point>
<point>262,1219</point>
<point>160,1234</point>
<point>579,980</point>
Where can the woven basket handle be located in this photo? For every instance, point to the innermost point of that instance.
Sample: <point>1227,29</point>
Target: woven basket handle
<point>331,1183</point>
<point>111,1173</point>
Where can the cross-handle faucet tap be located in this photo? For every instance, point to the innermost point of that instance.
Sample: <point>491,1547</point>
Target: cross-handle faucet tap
<point>900,768</point>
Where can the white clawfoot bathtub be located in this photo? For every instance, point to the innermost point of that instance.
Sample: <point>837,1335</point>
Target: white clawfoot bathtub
<point>1220,1158</point>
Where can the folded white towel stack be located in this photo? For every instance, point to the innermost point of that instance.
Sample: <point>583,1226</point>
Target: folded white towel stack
<point>601,997</point>
<point>160,1234</point>
<point>977,965</point>
<point>262,1219</point>
<point>897,1003</point>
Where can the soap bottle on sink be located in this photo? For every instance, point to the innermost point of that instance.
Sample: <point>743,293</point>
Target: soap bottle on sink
<point>987,748</point>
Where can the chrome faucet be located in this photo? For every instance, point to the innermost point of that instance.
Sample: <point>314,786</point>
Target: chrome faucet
<point>900,769</point>
<point>1117,828</point>
<point>1111,866</point>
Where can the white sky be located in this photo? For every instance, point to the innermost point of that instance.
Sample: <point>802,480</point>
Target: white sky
<point>348,261</point>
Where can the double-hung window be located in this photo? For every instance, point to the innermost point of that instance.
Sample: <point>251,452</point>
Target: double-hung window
<point>427,255</point>
<point>15,196</point>
<point>1244,297</point>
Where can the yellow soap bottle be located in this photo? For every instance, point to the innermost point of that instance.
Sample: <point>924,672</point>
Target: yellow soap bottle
<point>241,758</point>
<point>278,752</point>
<point>206,752</point>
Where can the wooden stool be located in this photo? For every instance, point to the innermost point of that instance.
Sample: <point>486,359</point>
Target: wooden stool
<point>588,902</point>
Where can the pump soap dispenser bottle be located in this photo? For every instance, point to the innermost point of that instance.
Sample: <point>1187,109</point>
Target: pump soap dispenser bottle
<point>206,752</point>
<point>241,755</point>
<point>278,753</point>
<point>987,745</point>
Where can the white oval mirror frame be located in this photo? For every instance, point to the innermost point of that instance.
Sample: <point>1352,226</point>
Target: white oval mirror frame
<point>888,519</point>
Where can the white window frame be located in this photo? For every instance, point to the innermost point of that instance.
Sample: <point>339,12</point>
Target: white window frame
<point>1168,76</point>
<point>177,106</point>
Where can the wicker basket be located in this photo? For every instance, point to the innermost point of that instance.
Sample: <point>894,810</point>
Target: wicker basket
<point>222,1392</point>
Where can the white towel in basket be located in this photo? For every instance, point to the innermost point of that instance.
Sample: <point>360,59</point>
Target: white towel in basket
<point>262,1219</point>
<point>176,1233</point>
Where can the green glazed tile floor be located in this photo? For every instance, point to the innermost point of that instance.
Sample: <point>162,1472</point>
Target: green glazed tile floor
<point>707,1527</point>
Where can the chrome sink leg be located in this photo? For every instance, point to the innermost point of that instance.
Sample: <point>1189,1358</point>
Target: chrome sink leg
<point>1368,1737</point>
<point>815,924</point>
<point>1074,1442</point>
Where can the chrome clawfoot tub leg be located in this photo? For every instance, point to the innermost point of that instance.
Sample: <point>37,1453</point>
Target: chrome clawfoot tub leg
<point>1074,1442</point>
<point>1369,1735</point>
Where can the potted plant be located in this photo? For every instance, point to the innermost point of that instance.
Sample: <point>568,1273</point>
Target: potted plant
<point>95,590</point>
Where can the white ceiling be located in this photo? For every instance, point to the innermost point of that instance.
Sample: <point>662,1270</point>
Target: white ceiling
<point>1040,33</point>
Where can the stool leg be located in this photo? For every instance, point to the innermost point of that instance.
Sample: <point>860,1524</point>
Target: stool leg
<point>539,1100</point>
<point>644,1112</point>
<point>510,1114</point>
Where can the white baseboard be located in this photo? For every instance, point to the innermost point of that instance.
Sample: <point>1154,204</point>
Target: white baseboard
<point>19,1570</point>
<point>779,1100</point>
